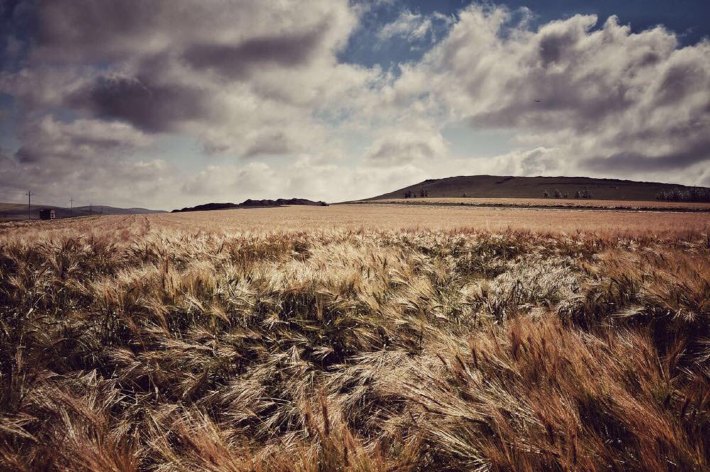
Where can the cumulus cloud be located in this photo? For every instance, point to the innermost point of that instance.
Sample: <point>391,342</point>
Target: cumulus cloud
<point>144,102</point>
<point>237,60</point>
<point>214,70</point>
<point>608,99</point>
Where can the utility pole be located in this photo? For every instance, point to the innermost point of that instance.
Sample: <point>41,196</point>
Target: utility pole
<point>71,206</point>
<point>29,204</point>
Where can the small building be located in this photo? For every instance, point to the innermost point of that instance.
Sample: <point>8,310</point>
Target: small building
<point>47,214</point>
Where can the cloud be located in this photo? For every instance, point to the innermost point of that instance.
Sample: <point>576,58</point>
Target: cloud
<point>414,26</point>
<point>411,26</point>
<point>80,142</point>
<point>254,178</point>
<point>89,159</point>
<point>143,102</point>
<point>305,177</point>
<point>530,162</point>
<point>610,100</point>
<point>220,71</point>
<point>237,60</point>
<point>403,146</point>
<point>686,156</point>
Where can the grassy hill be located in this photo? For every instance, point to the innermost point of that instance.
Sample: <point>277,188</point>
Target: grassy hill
<point>249,203</point>
<point>491,186</point>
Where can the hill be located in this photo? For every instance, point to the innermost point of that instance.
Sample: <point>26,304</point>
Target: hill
<point>18,211</point>
<point>249,203</point>
<point>491,186</point>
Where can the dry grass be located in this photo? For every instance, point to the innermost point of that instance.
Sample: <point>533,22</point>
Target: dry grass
<point>414,217</point>
<point>203,342</point>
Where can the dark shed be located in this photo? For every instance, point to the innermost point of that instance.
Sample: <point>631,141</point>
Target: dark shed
<point>47,214</point>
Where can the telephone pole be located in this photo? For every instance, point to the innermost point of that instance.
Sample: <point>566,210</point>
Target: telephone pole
<point>29,205</point>
<point>71,206</point>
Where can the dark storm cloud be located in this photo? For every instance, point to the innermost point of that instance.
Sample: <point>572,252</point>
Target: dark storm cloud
<point>236,60</point>
<point>147,105</point>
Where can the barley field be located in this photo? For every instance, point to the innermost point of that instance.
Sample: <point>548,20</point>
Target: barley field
<point>356,338</point>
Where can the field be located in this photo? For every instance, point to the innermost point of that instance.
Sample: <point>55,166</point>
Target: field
<point>356,338</point>
<point>560,203</point>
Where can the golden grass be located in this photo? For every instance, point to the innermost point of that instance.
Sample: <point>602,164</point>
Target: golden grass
<point>211,341</point>
<point>395,217</point>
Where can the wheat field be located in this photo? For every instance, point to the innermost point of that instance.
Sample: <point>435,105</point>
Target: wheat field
<point>379,338</point>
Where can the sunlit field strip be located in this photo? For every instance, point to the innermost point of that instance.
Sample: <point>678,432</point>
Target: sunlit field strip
<point>434,218</point>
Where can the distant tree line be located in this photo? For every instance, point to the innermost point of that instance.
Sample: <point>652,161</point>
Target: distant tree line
<point>557,194</point>
<point>422,193</point>
<point>691,194</point>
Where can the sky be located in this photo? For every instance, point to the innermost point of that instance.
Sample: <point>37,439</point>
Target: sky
<point>171,103</point>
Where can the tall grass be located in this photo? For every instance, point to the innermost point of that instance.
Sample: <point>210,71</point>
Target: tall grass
<point>131,346</point>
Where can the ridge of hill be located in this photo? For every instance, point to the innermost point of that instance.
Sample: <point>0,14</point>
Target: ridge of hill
<point>249,203</point>
<point>491,186</point>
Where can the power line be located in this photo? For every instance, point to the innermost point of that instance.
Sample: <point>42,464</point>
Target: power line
<point>29,204</point>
